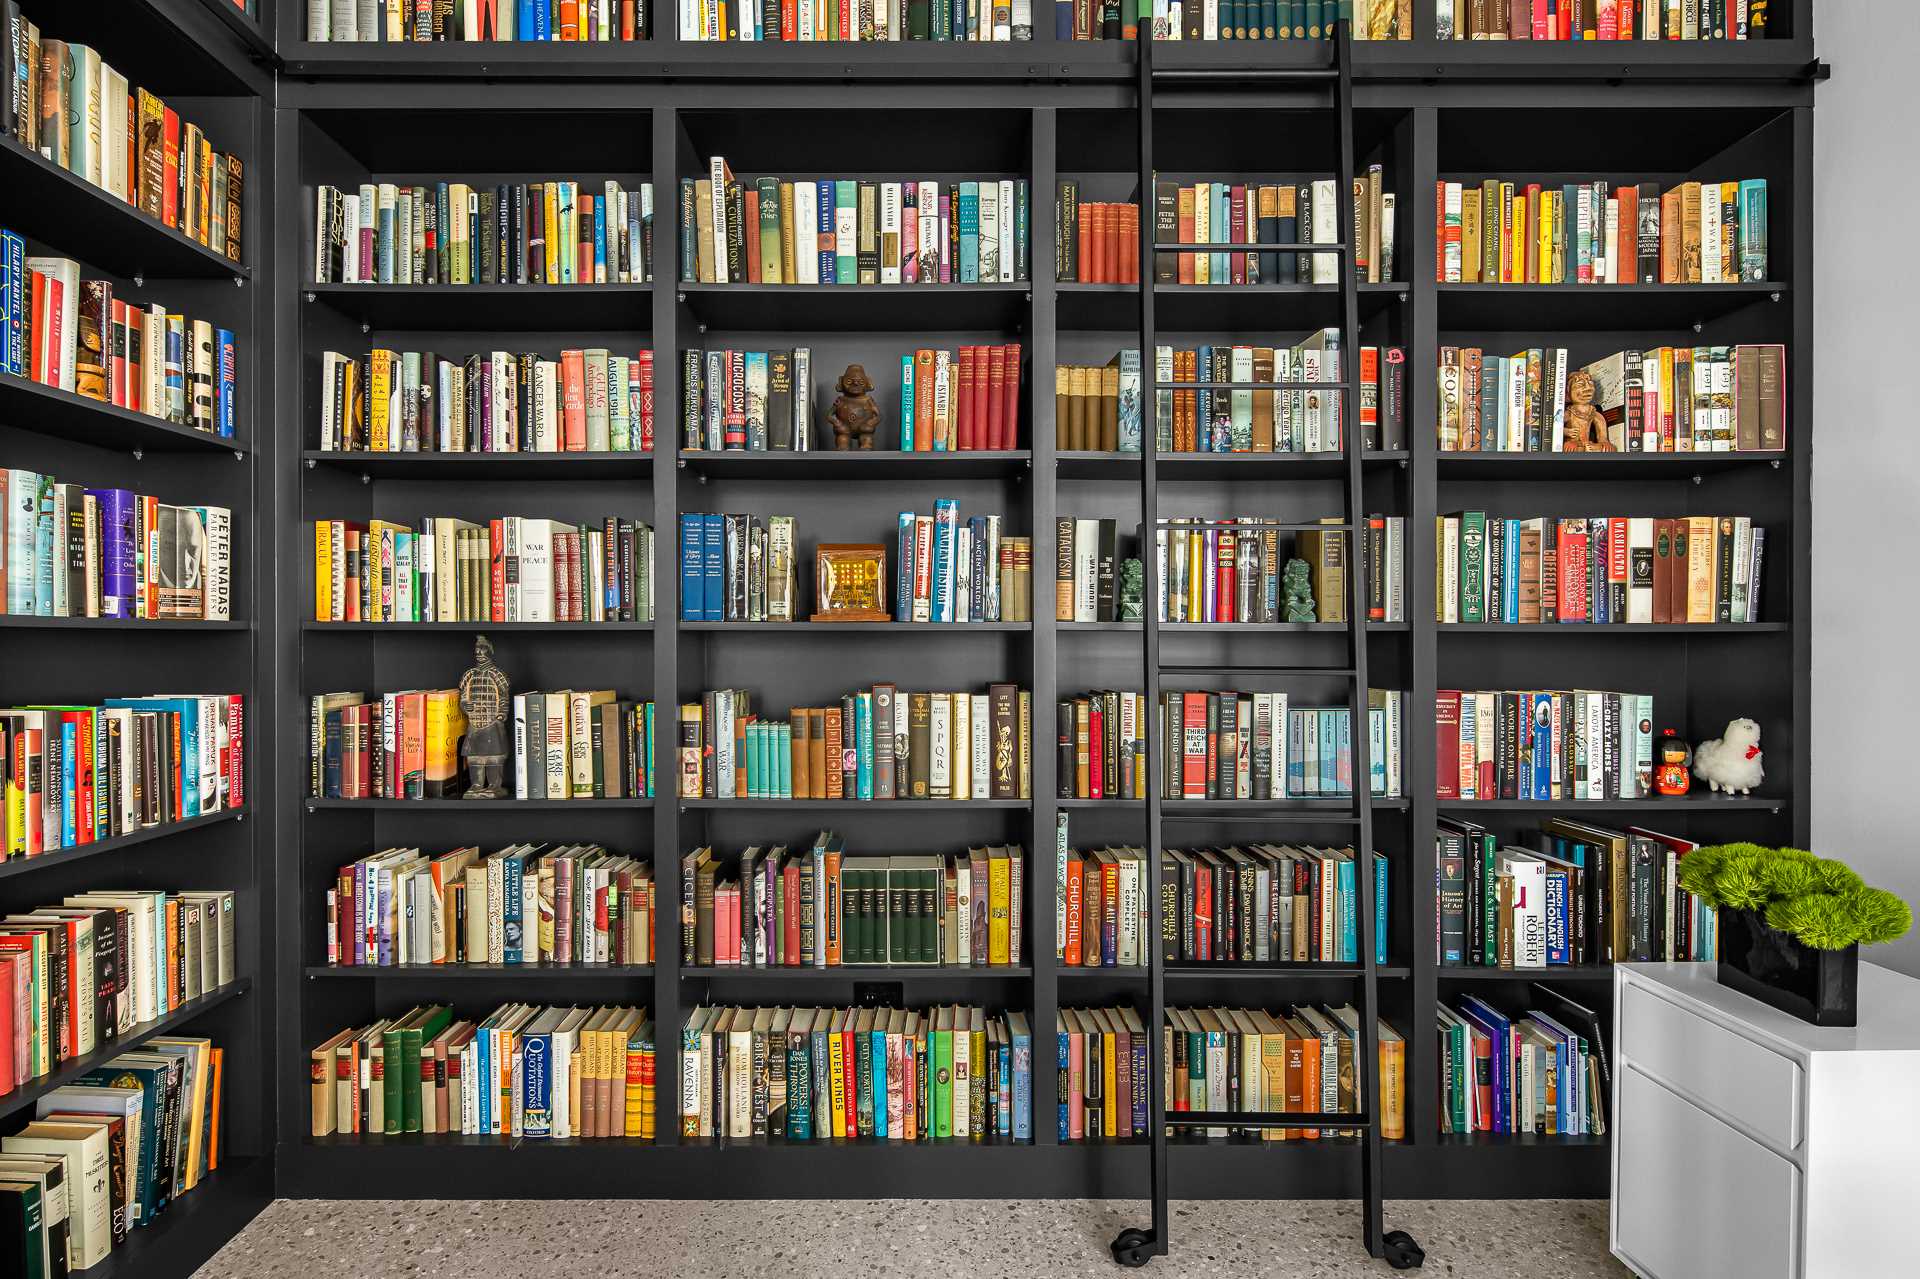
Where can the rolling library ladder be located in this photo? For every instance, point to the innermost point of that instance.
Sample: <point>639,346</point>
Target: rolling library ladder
<point>1135,1247</point>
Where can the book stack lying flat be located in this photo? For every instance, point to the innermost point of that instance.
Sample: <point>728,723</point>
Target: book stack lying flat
<point>1496,232</point>
<point>948,1073</point>
<point>514,568</point>
<point>522,904</point>
<point>74,551</point>
<point>1568,893</point>
<point>940,746</point>
<point>1543,745</point>
<point>86,118</point>
<point>587,401</point>
<point>74,775</point>
<point>116,1146</point>
<point>564,745</point>
<point>822,907</point>
<point>851,231</point>
<point>523,1072</point>
<point>1245,1059</point>
<point>1598,569</point>
<point>556,232</point>
<point>73,334</point>
<point>1668,399</point>
<point>1542,1072</point>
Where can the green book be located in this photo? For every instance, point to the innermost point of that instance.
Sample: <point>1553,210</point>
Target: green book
<point>769,189</point>
<point>390,1037</point>
<point>940,1048</point>
<point>421,1031</point>
<point>23,1231</point>
<point>1473,566</point>
<point>846,225</point>
<point>850,927</point>
<point>901,892</point>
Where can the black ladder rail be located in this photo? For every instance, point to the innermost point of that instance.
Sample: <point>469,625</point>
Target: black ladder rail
<point>1135,1247</point>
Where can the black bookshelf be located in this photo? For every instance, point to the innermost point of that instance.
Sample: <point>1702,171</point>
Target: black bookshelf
<point>654,111</point>
<point>208,69</point>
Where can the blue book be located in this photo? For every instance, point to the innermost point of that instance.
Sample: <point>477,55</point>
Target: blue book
<point>523,19</point>
<point>599,238</point>
<point>542,21</point>
<point>1141,1073</point>
<point>1063,1054</point>
<point>713,609</point>
<point>1377,751</point>
<point>879,1058</point>
<point>483,1050</point>
<point>69,783</point>
<point>188,709</point>
<point>846,195</point>
<point>1203,402</point>
<point>1346,901</point>
<point>1379,909</point>
<point>536,1085</point>
<point>1510,574</point>
<point>224,390</point>
<point>1296,753</point>
<point>1753,230</point>
<point>946,514</point>
<point>799,1094</point>
<point>1542,746</point>
<point>906,403</point>
<point>967,269</point>
<point>1063,30</point>
<point>976,569</point>
<point>1021,229</point>
<point>13,304</point>
<point>827,255</point>
<point>904,569</point>
<point>1020,1064</point>
<point>783,762</point>
<point>822,1096</point>
<point>863,744</point>
<point>1492,1023</point>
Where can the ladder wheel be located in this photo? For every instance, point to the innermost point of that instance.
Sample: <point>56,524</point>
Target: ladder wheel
<point>1133,1247</point>
<point>1400,1251</point>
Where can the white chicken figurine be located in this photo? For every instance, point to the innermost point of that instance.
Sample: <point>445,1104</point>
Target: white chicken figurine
<point>1731,762</point>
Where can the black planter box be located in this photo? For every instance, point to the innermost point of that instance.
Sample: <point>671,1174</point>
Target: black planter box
<point>1820,986</point>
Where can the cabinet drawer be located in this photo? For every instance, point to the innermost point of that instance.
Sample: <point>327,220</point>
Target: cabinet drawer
<point>1749,1085</point>
<point>1692,1198</point>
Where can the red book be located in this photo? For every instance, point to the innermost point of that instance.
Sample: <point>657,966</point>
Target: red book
<point>1074,930</point>
<point>1096,750</point>
<point>1010,414</point>
<point>573,400</point>
<point>1084,258</point>
<point>1226,579</point>
<point>1111,231</point>
<point>1573,585</point>
<point>643,372</point>
<point>496,570</point>
<point>995,435</point>
<point>1539,23</point>
<point>1193,746</point>
<point>1202,911</point>
<point>790,930</point>
<point>1237,232</point>
<point>963,411</point>
<point>789,21</point>
<point>1127,269</point>
<point>170,178</point>
<point>1446,744</point>
<point>1377,528</point>
<point>982,397</point>
<point>750,228</point>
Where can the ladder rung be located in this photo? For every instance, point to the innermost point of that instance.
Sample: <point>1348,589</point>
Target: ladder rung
<point>1253,386</point>
<point>1263,1119</point>
<point>1346,672</point>
<point>1341,817</point>
<point>1229,246</point>
<point>1199,74</point>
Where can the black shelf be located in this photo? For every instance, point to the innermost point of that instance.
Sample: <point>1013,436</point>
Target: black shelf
<point>908,973</point>
<point>907,308</point>
<point>469,468</point>
<point>1284,807</point>
<point>469,805</point>
<point>928,806</point>
<point>1696,802</point>
<point>158,625</point>
<point>1553,972</point>
<point>463,973</point>
<point>1212,308</point>
<point>13,866</point>
<point>875,464</point>
<point>1172,630</point>
<point>48,410</point>
<point>1513,308</point>
<point>499,308</point>
<point>1080,464</point>
<point>1613,628</point>
<point>1524,467</point>
<point>403,628</point>
<point>822,629</point>
<point>71,215</point>
<point>23,1097</point>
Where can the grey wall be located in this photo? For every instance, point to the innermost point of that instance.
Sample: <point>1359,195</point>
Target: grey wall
<point>1866,464</point>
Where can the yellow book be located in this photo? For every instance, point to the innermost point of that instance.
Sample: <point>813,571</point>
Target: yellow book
<point>551,194</point>
<point>999,904</point>
<point>1109,1084</point>
<point>1546,231</point>
<point>1700,562</point>
<point>1273,1068</point>
<point>1522,272</point>
<point>1203,233</point>
<point>446,724</point>
<point>836,1078</point>
<point>380,400</point>
<point>322,576</point>
<point>1470,235</point>
<point>1729,233</point>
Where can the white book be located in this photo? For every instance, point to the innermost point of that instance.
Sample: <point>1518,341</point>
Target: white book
<point>806,206</point>
<point>113,128</point>
<point>889,233</point>
<point>1529,876</point>
<point>536,570</point>
<point>940,746</point>
<point>1710,233</point>
<point>1086,570</point>
<point>989,231</point>
<point>557,705</point>
<point>1639,570</point>
<point>717,174</point>
<point>519,752</point>
<point>1742,568</point>
<point>929,238</point>
<point>962,754</point>
<point>1007,225</point>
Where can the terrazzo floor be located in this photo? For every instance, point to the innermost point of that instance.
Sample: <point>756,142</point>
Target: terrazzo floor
<point>894,1239</point>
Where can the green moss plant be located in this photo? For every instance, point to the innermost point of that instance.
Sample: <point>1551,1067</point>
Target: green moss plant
<point>1822,903</point>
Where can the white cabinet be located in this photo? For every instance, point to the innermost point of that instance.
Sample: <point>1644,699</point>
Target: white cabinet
<point>1749,1143</point>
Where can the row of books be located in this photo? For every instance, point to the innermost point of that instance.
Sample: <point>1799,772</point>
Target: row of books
<point>515,568</point>
<point>1099,242</point>
<point>738,568</point>
<point>63,331</point>
<point>73,108</point>
<point>67,550</point>
<point>889,21</point>
<point>1224,745</point>
<point>409,745</point>
<point>1535,745</point>
<point>108,1152</point>
<point>959,401</point>
<point>851,231</point>
<point>555,232</point>
<point>1302,1061</point>
<point>79,974</point>
<point>587,401</point>
<point>1496,232</point>
<point>1607,20</point>
<point>531,904</point>
<point>74,775</point>
<point>947,1073</point>
<point>1694,568</point>
<point>1669,399</point>
<point>524,1071</point>
<point>953,569</point>
<point>1542,1072</point>
<point>1574,894</point>
<point>877,744</point>
<point>822,907</point>
<point>1267,904</point>
<point>591,21</point>
<point>1234,20</point>
<point>1232,570</point>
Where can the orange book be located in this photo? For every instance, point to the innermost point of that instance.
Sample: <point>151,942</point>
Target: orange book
<point>750,222</point>
<point>569,19</point>
<point>832,742</point>
<point>1670,237</point>
<point>1186,223</point>
<point>413,745</point>
<point>1071,956</point>
<point>1309,1079</point>
<point>213,1123</point>
<point>1084,225</point>
<point>817,751</point>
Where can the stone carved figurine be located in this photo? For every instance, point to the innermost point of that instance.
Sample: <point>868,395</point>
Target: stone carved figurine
<point>855,417</point>
<point>485,695</point>
<point>1296,592</point>
<point>1586,426</point>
